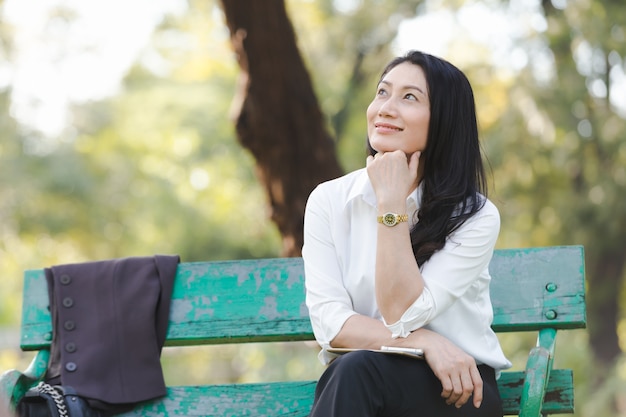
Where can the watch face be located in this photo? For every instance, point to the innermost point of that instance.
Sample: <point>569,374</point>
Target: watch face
<point>390,219</point>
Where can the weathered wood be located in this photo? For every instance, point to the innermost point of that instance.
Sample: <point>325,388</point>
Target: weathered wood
<point>296,398</point>
<point>263,300</point>
<point>539,289</point>
<point>559,397</point>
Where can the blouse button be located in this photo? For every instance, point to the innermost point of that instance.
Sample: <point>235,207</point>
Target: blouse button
<point>68,302</point>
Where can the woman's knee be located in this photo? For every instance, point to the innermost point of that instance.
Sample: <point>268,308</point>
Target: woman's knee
<point>360,367</point>
<point>359,361</point>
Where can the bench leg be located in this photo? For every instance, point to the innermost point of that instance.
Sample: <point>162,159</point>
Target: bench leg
<point>14,384</point>
<point>538,369</point>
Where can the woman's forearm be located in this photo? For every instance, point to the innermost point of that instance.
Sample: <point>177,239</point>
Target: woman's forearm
<point>362,332</point>
<point>398,279</point>
<point>399,283</point>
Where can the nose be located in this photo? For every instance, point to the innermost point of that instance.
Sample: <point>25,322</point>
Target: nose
<point>388,108</point>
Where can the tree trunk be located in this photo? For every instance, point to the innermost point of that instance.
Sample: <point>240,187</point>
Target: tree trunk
<point>277,116</point>
<point>603,306</point>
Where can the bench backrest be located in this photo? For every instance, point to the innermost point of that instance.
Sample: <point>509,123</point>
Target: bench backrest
<point>263,299</point>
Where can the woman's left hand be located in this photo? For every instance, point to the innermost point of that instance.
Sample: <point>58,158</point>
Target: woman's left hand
<point>456,370</point>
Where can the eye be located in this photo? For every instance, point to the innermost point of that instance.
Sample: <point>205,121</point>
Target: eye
<point>381,92</point>
<point>410,96</point>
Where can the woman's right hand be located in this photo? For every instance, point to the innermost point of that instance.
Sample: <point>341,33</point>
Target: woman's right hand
<point>456,370</point>
<point>393,175</point>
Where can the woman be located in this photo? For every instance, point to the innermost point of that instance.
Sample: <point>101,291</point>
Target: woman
<point>397,254</point>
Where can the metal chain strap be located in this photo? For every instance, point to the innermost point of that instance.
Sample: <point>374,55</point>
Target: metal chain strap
<point>44,388</point>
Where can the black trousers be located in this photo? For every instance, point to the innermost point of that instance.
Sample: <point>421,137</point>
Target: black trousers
<point>371,384</point>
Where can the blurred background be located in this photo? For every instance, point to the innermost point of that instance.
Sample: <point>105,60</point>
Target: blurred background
<point>137,127</point>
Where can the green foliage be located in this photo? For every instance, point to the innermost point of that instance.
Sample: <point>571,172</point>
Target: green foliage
<point>156,168</point>
<point>241,363</point>
<point>556,143</point>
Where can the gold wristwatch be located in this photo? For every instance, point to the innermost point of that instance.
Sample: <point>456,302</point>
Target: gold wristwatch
<point>391,219</point>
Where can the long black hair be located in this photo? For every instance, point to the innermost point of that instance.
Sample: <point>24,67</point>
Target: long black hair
<point>453,182</point>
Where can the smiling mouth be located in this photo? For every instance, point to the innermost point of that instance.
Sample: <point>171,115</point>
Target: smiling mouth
<point>384,126</point>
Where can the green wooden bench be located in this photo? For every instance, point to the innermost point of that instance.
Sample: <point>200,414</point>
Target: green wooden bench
<point>535,289</point>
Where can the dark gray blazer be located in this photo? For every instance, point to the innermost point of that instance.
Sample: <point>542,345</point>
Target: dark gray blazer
<point>109,325</point>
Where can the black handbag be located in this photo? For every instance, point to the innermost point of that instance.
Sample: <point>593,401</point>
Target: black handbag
<point>47,400</point>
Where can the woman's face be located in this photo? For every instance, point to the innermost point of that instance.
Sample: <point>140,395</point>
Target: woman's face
<point>398,116</point>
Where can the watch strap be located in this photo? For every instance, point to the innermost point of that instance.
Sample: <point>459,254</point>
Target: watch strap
<point>391,219</point>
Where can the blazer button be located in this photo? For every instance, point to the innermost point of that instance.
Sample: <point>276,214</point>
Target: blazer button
<point>68,302</point>
<point>70,347</point>
<point>70,366</point>
<point>69,325</point>
<point>65,279</point>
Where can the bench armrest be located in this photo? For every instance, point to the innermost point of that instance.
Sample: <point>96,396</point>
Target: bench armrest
<point>14,384</point>
<point>538,369</point>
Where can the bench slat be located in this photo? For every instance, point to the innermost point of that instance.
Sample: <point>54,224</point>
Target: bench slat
<point>296,398</point>
<point>559,396</point>
<point>268,303</point>
<point>263,300</point>
<point>537,288</point>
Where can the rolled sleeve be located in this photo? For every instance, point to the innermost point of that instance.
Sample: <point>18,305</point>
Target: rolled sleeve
<point>453,270</point>
<point>414,317</point>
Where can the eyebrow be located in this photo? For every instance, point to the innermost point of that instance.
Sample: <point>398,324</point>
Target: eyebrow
<point>406,87</point>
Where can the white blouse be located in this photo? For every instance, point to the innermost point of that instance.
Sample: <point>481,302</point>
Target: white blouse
<point>339,252</point>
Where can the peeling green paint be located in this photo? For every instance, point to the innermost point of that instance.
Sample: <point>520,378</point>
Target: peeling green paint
<point>540,289</point>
